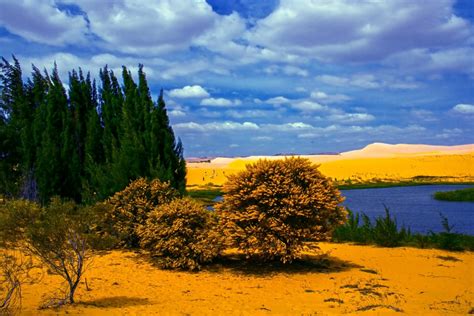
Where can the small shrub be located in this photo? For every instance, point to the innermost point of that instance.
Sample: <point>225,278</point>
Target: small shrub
<point>448,240</point>
<point>271,209</point>
<point>386,233</point>
<point>15,269</point>
<point>130,208</point>
<point>181,235</point>
<point>15,217</point>
<point>57,239</point>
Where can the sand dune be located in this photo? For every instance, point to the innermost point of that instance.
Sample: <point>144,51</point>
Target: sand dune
<point>375,161</point>
<point>353,279</point>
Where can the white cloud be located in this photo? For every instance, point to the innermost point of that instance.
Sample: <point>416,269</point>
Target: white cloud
<point>150,27</point>
<point>247,114</point>
<point>351,118</point>
<point>424,115</point>
<point>220,102</point>
<point>195,91</point>
<point>464,108</point>
<point>448,133</point>
<point>177,113</point>
<point>287,70</point>
<point>215,126</point>
<point>277,100</point>
<point>42,22</point>
<point>309,106</point>
<point>262,138</point>
<point>329,98</point>
<point>352,31</point>
<point>368,81</point>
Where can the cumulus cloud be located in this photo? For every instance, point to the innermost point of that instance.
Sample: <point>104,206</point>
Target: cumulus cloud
<point>351,31</point>
<point>329,98</point>
<point>150,27</point>
<point>195,91</point>
<point>288,70</point>
<point>278,100</point>
<point>367,81</point>
<point>42,22</point>
<point>464,108</point>
<point>309,106</point>
<point>448,133</point>
<point>424,115</point>
<point>215,126</point>
<point>177,113</point>
<point>351,118</point>
<point>220,102</point>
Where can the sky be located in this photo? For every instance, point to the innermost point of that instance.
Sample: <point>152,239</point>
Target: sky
<point>253,77</point>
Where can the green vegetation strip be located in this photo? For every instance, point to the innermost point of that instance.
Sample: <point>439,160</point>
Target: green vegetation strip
<point>463,195</point>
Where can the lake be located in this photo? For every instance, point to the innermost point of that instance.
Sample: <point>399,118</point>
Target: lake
<point>414,206</point>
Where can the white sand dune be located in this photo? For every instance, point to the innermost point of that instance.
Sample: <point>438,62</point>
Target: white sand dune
<point>375,150</point>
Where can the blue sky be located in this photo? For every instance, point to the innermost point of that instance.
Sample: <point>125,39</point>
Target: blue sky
<point>245,77</point>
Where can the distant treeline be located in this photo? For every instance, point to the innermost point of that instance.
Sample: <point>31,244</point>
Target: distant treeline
<point>84,143</point>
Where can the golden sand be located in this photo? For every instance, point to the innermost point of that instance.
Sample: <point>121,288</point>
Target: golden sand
<point>374,162</point>
<point>354,279</point>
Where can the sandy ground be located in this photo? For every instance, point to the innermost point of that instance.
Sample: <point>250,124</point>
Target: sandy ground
<point>376,161</point>
<point>353,279</point>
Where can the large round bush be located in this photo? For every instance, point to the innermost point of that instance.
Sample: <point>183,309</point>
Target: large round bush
<point>181,235</point>
<point>130,207</point>
<point>271,209</point>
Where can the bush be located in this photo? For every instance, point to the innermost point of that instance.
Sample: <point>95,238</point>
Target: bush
<point>15,217</point>
<point>130,208</point>
<point>386,232</point>
<point>273,207</point>
<point>57,238</point>
<point>181,235</point>
<point>353,231</point>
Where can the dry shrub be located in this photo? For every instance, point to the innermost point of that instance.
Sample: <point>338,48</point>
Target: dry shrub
<point>15,217</point>
<point>271,209</point>
<point>181,235</point>
<point>130,208</point>
<point>15,267</point>
<point>57,238</point>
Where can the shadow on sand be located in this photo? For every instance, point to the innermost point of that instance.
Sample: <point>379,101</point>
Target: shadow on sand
<point>237,263</point>
<point>116,302</point>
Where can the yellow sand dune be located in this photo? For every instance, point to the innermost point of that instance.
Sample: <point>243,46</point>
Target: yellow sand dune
<point>354,279</point>
<point>376,161</point>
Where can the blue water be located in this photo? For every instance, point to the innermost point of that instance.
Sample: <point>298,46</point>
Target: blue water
<point>414,207</point>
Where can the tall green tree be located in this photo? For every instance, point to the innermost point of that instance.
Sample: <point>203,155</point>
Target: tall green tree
<point>85,144</point>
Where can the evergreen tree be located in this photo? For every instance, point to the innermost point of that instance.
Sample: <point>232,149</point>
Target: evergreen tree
<point>84,144</point>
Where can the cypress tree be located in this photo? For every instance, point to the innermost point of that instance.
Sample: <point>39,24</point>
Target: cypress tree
<point>85,144</point>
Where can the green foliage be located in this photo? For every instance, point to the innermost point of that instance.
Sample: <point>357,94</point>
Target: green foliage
<point>181,235</point>
<point>386,233</point>
<point>464,195</point>
<point>15,217</point>
<point>130,208</point>
<point>85,144</point>
<point>273,207</point>
<point>57,239</point>
<point>59,235</point>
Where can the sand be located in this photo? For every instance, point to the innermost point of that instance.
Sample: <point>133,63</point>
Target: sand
<point>374,162</point>
<point>353,279</point>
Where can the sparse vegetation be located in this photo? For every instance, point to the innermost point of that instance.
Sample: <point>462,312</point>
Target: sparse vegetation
<point>386,233</point>
<point>57,239</point>
<point>463,195</point>
<point>270,210</point>
<point>181,235</point>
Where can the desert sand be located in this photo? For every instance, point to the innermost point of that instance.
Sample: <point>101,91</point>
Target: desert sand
<point>351,279</point>
<point>374,162</point>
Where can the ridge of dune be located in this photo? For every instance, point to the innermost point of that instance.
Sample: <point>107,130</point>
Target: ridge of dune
<point>386,150</point>
<point>374,150</point>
